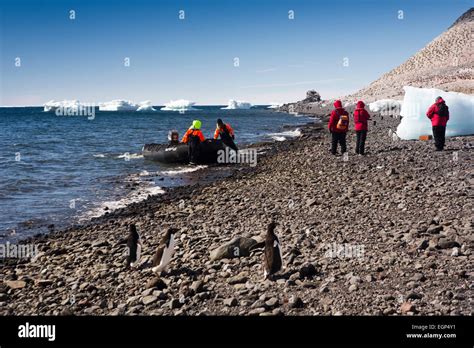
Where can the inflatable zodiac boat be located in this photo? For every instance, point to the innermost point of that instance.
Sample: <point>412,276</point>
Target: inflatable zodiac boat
<point>168,153</point>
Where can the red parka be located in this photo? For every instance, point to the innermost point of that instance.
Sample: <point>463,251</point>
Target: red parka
<point>361,116</point>
<point>335,114</point>
<point>432,114</point>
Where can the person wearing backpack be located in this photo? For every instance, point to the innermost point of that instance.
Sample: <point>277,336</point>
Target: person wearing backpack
<point>193,137</point>
<point>361,116</point>
<point>338,126</point>
<point>438,113</point>
<point>225,131</point>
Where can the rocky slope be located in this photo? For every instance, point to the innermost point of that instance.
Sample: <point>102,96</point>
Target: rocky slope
<point>402,215</point>
<point>446,63</point>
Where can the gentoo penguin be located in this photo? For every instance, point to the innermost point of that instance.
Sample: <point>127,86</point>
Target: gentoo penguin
<point>134,246</point>
<point>272,256</point>
<point>165,251</point>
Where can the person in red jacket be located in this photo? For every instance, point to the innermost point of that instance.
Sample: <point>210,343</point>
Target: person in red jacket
<point>438,113</point>
<point>361,116</point>
<point>338,126</point>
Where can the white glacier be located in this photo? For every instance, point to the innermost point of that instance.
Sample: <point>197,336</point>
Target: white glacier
<point>179,105</point>
<point>417,101</point>
<point>386,106</point>
<point>237,104</point>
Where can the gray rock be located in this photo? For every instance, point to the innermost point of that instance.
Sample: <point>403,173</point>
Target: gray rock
<point>156,283</point>
<point>444,243</point>
<point>197,286</point>
<point>149,299</point>
<point>295,302</point>
<point>308,271</point>
<point>239,278</point>
<point>231,302</point>
<point>237,247</point>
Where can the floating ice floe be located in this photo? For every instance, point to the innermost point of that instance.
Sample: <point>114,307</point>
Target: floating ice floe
<point>386,106</point>
<point>179,105</point>
<point>237,104</point>
<point>417,101</point>
<point>118,105</point>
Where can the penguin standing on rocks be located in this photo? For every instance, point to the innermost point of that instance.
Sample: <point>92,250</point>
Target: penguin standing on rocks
<point>272,255</point>
<point>134,244</point>
<point>165,251</point>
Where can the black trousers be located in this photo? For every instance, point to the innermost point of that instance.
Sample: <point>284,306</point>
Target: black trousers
<point>360,143</point>
<point>338,138</point>
<point>439,135</point>
<point>193,152</point>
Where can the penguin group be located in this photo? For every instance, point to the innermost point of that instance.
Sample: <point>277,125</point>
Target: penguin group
<point>272,262</point>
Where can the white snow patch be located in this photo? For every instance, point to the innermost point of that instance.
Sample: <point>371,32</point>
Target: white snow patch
<point>237,104</point>
<point>417,101</point>
<point>179,105</point>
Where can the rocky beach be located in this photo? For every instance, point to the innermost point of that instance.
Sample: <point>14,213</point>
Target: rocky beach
<point>389,233</point>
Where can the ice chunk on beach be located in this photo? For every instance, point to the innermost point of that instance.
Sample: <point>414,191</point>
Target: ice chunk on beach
<point>282,136</point>
<point>118,105</point>
<point>146,106</point>
<point>52,105</point>
<point>179,105</point>
<point>386,106</point>
<point>237,104</point>
<point>417,101</point>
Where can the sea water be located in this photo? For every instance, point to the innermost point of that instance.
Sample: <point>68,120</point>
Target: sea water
<point>59,170</point>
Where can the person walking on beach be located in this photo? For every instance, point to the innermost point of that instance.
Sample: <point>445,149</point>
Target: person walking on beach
<point>338,126</point>
<point>193,137</point>
<point>438,113</point>
<point>361,116</point>
<point>225,131</point>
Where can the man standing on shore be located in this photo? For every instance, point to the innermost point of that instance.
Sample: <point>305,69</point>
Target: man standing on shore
<point>338,126</point>
<point>438,113</point>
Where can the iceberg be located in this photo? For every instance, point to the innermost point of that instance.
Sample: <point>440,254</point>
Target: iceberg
<point>179,105</point>
<point>118,105</point>
<point>146,107</point>
<point>417,101</point>
<point>52,105</point>
<point>236,104</point>
<point>386,106</point>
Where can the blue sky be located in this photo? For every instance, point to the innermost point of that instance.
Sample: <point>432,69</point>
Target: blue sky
<point>279,58</point>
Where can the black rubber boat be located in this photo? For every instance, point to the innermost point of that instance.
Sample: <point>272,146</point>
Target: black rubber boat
<point>167,153</point>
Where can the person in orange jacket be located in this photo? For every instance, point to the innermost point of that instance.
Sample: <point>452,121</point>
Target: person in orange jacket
<point>225,131</point>
<point>193,137</point>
